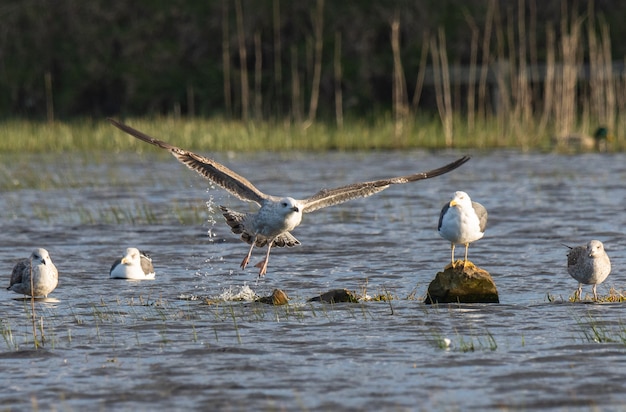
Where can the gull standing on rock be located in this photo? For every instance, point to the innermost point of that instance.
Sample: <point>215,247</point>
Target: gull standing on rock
<point>462,222</point>
<point>44,275</point>
<point>589,265</point>
<point>134,265</point>
<point>277,215</point>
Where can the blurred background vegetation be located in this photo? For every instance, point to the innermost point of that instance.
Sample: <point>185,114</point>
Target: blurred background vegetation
<point>522,67</point>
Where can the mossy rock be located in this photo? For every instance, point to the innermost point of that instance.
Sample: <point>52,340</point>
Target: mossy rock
<point>278,297</point>
<point>462,284</point>
<point>336,296</point>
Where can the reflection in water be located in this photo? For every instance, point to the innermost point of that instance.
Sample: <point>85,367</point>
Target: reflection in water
<point>139,345</point>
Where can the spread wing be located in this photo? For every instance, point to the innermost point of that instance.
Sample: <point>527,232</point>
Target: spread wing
<point>219,174</point>
<point>330,197</point>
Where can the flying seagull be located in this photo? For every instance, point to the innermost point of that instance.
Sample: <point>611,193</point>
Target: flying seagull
<point>462,222</point>
<point>44,275</point>
<point>277,216</point>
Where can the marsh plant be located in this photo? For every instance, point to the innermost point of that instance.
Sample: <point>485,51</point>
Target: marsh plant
<point>460,343</point>
<point>597,331</point>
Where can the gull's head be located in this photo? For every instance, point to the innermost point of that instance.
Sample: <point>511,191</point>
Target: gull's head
<point>461,199</point>
<point>291,212</point>
<point>132,257</point>
<point>289,205</point>
<point>594,248</point>
<point>40,256</point>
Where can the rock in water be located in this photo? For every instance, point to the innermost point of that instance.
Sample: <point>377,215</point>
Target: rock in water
<point>336,296</point>
<point>278,297</point>
<point>469,284</point>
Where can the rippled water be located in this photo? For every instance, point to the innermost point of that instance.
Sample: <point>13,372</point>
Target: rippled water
<point>159,344</point>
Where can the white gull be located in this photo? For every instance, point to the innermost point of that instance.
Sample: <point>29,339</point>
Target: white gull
<point>45,276</point>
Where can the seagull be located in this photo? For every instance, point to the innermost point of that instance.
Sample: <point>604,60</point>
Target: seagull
<point>277,216</point>
<point>134,265</point>
<point>589,265</point>
<point>462,222</point>
<point>44,275</point>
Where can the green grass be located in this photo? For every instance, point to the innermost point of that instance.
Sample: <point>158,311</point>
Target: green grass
<point>218,134</point>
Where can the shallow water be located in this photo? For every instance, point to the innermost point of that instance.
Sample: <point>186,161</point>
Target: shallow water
<point>158,344</point>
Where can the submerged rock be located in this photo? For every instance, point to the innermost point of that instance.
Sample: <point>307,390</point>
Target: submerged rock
<point>336,296</point>
<point>469,284</point>
<point>278,297</point>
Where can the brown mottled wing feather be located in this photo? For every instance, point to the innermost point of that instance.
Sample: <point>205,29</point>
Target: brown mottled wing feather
<point>19,268</point>
<point>330,197</point>
<point>146,263</point>
<point>219,174</point>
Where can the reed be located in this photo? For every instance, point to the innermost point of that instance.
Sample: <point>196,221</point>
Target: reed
<point>222,135</point>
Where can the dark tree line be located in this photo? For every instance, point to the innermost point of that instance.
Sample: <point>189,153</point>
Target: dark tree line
<point>241,58</point>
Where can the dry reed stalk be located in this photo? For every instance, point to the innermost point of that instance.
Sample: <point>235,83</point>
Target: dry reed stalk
<point>337,74</point>
<point>296,106</point>
<point>421,72</point>
<point>441,75</point>
<point>549,83</point>
<point>278,71</point>
<point>191,103</point>
<point>32,307</point>
<point>49,98</point>
<point>524,94</point>
<point>399,95</point>
<point>486,52</point>
<point>471,81</point>
<point>228,104</point>
<point>502,75</point>
<point>258,75</point>
<point>318,28</point>
<point>565,107</point>
<point>243,59</point>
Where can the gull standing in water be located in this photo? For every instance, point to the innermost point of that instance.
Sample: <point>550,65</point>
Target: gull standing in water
<point>589,265</point>
<point>134,265</point>
<point>462,222</point>
<point>277,216</point>
<point>44,275</point>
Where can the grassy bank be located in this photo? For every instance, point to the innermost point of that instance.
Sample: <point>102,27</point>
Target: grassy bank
<point>217,134</point>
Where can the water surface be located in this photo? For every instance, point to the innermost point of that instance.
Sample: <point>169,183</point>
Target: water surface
<point>159,344</point>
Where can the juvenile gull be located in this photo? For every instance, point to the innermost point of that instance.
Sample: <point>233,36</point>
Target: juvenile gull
<point>134,265</point>
<point>44,275</point>
<point>277,216</point>
<point>589,265</point>
<point>462,222</point>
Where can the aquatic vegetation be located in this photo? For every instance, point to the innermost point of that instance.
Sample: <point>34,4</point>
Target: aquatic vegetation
<point>614,296</point>
<point>218,134</point>
<point>461,343</point>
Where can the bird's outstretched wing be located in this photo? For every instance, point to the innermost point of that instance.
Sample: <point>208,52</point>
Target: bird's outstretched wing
<point>219,174</point>
<point>330,197</point>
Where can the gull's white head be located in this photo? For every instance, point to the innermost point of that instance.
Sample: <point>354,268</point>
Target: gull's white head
<point>291,210</point>
<point>289,205</point>
<point>595,248</point>
<point>132,258</point>
<point>461,199</point>
<point>40,256</point>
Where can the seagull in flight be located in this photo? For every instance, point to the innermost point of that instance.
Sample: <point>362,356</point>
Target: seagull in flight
<point>277,216</point>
